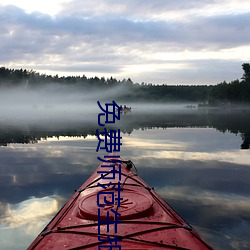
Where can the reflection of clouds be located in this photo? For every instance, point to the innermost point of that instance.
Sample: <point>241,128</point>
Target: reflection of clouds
<point>226,240</point>
<point>2,209</point>
<point>59,157</point>
<point>222,219</point>
<point>35,170</point>
<point>148,158</point>
<point>29,212</point>
<point>203,144</point>
<point>210,184</point>
<point>25,220</point>
<point>236,156</point>
<point>147,144</point>
<point>228,203</point>
<point>141,139</point>
<point>69,138</point>
<point>185,139</point>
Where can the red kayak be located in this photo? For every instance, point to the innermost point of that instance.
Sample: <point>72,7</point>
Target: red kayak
<point>116,209</point>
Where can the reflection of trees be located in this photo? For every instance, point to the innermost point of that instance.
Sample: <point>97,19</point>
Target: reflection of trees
<point>234,121</point>
<point>246,141</point>
<point>19,134</point>
<point>16,137</point>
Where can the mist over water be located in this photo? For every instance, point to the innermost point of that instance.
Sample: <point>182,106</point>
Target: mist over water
<point>191,156</point>
<point>60,102</point>
<point>55,102</point>
<point>59,107</point>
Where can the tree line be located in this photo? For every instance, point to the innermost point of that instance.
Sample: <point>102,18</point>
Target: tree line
<point>236,91</point>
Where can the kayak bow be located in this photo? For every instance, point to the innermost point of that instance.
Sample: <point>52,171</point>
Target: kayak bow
<point>146,221</point>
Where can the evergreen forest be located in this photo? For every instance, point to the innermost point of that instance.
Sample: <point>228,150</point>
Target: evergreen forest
<point>224,93</point>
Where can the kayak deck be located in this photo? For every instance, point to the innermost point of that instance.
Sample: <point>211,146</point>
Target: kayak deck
<point>134,218</point>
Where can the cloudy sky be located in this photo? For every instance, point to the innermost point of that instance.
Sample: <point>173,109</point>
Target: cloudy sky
<point>154,41</point>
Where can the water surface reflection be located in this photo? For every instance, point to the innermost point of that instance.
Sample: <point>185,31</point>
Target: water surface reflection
<point>199,169</point>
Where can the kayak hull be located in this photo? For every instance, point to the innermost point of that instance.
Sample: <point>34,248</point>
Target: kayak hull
<point>134,217</point>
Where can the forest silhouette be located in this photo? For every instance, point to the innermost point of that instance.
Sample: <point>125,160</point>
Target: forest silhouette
<point>224,93</point>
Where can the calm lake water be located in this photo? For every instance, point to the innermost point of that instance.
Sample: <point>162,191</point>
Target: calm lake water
<point>197,160</point>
